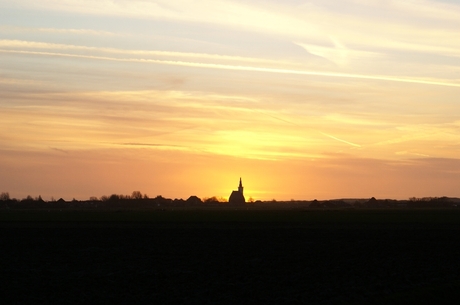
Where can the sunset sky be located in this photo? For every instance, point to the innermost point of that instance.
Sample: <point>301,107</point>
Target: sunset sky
<point>302,99</point>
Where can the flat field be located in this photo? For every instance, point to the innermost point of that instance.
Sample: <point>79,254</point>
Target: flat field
<point>230,256</point>
<point>304,217</point>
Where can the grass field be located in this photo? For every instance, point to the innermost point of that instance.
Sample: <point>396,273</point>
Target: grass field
<point>230,257</point>
<point>412,216</point>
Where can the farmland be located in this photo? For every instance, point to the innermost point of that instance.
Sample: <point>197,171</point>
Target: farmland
<point>231,256</point>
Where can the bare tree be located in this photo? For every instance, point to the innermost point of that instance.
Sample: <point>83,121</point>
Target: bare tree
<point>4,196</point>
<point>114,197</point>
<point>136,195</point>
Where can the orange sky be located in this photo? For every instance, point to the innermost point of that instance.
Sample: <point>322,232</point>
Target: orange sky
<point>302,100</point>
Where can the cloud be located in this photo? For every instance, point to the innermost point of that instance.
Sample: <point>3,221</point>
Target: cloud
<point>429,9</point>
<point>238,67</point>
<point>404,153</point>
<point>93,51</point>
<point>340,140</point>
<point>19,29</point>
<point>362,26</point>
<point>227,13</point>
<point>171,120</point>
<point>339,54</point>
<point>59,150</point>
<point>16,81</point>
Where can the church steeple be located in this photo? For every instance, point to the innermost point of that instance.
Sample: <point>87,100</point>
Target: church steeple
<point>236,197</point>
<point>240,187</point>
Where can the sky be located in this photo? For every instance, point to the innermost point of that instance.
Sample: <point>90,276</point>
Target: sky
<point>302,99</point>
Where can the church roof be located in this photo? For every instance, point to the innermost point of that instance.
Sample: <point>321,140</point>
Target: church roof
<point>237,198</point>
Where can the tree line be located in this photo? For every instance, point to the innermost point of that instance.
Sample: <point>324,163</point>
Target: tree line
<point>136,200</point>
<point>139,200</point>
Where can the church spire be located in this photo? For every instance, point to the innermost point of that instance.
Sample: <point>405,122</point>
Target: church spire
<point>240,187</point>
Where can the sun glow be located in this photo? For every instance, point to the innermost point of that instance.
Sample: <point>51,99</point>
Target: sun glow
<point>301,100</point>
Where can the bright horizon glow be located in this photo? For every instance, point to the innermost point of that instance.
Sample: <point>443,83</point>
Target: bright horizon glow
<point>304,101</point>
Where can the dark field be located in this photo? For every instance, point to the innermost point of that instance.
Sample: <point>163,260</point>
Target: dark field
<point>230,257</point>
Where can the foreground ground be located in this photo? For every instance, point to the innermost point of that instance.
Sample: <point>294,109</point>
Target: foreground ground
<point>230,257</point>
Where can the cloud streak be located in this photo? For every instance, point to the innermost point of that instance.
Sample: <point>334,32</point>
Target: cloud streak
<point>21,44</point>
<point>340,140</point>
<point>17,29</point>
<point>315,22</point>
<point>242,68</point>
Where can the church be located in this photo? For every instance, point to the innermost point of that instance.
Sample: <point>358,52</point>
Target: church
<point>237,197</point>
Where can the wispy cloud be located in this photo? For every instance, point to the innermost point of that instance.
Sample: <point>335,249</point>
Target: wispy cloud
<point>243,68</point>
<point>16,81</point>
<point>33,45</point>
<point>223,12</point>
<point>340,140</point>
<point>338,53</point>
<point>59,150</point>
<point>361,26</point>
<point>18,29</point>
<point>405,153</point>
<point>429,9</point>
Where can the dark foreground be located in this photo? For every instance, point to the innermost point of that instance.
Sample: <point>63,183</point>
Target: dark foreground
<point>336,257</point>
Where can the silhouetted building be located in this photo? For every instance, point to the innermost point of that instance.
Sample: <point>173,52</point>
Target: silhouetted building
<point>237,197</point>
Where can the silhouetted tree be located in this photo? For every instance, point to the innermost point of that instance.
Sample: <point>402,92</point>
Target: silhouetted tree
<point>211,200</point>
<point>5,196</point>
<point>114,197</point>
<point>136,195</point>
<point>194,200</point>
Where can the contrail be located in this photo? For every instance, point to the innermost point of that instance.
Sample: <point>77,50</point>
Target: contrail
<point>340,140</point>
<point>10,44</point>
<point>315,130</point>
<point>242,68</point>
